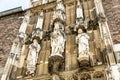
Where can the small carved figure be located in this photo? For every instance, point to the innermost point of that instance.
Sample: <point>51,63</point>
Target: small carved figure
<point>40,20</point>
<point>83,42</point>
<point>34,49</point>
<point>79,13</point>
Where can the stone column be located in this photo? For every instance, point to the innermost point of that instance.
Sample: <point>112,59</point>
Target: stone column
<point>47,57</point>
<point>11,60</point>
<point>106,37</point>
<point>99,7</point>
<point>7,69</point>
<point>104,30</point>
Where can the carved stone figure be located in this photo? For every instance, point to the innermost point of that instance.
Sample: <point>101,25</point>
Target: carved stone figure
<point>79,13</point>
<point>40,20</point>
<point>83,42</point>
<point>37,33</point>
<point>57,41</point>
<point>24,25</point>
<point>60,5</point>
<point>34,49</point>
<point>60,11</point>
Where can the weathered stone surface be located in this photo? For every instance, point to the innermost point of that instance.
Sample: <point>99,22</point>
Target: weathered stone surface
<point>9,26</point>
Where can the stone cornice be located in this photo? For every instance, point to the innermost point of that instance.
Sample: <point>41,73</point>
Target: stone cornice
<point>49,6</point>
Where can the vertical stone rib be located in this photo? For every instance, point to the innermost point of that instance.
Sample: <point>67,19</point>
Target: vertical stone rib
<point>105,33</point>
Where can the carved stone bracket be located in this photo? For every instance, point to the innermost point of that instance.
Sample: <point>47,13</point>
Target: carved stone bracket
<point>93,24</point>
<point>37,34</point>
<point>84,62</point>
<point>55,64</point>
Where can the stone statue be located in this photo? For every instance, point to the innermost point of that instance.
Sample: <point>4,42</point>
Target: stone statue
<point>34,49</point>
<point>57,41</point>
<point>83,42</point>
<point>60,5</point>
<point>40,20</point>
<point>79,13</point>
<point>37,33</point>
<point>60,11</point>
<point>24,26</point>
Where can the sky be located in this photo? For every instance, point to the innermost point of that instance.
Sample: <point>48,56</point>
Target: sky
<point>9,4</point>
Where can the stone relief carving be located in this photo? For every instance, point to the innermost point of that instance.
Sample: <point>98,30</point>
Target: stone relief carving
<point>60,11</point>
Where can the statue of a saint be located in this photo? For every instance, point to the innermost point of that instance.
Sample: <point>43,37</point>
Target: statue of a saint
<point>83,42</point>
<point>34,49</point>
<point>57,41</point>
<point>40,20</point>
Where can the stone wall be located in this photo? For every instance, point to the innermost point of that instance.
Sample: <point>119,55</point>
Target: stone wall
<point>112,11</point>
<point>9,26</point>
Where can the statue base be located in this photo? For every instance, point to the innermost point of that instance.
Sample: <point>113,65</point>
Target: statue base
<point>84,60</point>
<point>55,64</point>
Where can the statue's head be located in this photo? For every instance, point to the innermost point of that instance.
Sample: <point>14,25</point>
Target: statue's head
<point>35,41</point>
<point>80,31</point>
<point>56,26</point>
